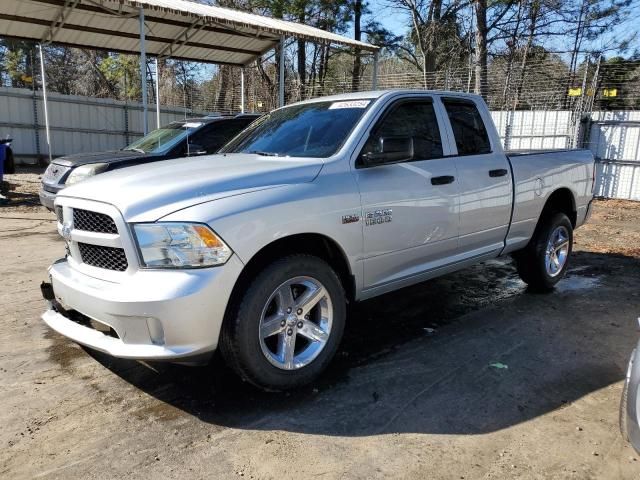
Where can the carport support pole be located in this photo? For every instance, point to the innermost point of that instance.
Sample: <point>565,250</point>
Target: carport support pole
<point>157,95</point>
<point>44,100</point>
<point>374,79</point>
<point>281,74</point>
<point>242,90</point>
<point>143,73</point>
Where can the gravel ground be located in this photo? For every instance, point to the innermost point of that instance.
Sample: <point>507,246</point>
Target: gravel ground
<point>412,393</point>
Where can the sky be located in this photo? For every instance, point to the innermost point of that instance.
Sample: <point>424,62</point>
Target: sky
<point>397,22</point>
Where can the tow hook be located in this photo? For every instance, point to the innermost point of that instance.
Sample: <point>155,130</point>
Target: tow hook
<point>47,291</point>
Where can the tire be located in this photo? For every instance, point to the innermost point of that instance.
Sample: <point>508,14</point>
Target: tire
<point>9,163</point>
<point>271,346</point>
<point>536,266</point>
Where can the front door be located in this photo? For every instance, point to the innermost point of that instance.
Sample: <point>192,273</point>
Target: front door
<point>410,208</point>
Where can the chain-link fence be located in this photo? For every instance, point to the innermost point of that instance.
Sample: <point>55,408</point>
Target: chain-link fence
<point>509,85</point>
<point>535,104</point>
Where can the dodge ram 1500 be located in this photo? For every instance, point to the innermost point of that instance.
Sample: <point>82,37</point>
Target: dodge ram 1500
<point>258,250</point>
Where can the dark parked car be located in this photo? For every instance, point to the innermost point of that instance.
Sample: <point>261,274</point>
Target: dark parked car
<point>194,136</point>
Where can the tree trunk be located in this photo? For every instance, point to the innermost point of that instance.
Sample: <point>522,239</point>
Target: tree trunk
<point>433,27</point>
<point>535,11</point>
<point>481,87</point>
<point>302,59</point>
<point>577,42</point>
<point>302,67</point>
<point>513,49</point>
<point>357,35</point>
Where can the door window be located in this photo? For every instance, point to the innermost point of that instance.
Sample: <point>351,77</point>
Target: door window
<point>215,134</point>
<point>415,119</point>
<point>468,127</point>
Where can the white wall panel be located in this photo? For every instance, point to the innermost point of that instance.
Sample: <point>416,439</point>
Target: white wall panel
<point>618,181</point>
<point>535,129</point>
<point>77,124</point>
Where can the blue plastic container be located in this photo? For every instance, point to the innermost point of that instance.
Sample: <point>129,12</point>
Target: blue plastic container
<point>3,155</point>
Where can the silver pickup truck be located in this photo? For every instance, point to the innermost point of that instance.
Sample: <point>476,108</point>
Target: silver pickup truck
<point>259,249</point>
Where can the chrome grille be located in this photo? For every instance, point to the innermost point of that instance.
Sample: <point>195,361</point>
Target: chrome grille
<point>59,214</point>
<point>93,222</point>
<point>103,257</point>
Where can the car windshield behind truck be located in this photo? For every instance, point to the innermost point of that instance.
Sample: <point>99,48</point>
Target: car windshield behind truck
<point>162,139</point>
<point>315,129</point>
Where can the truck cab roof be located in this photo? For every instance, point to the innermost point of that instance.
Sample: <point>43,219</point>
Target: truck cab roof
<point>376,94</point>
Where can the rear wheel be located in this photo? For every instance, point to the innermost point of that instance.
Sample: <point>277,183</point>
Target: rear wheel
<point>287,325</point>
<point>544,262</point>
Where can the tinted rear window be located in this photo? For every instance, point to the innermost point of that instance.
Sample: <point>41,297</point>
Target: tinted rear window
<point>468,127</point>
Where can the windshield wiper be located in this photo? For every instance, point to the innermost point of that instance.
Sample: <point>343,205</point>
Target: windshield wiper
<point>265,154</point>
<point>134,149</point>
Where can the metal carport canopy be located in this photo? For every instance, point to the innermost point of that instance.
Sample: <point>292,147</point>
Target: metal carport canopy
<point>179,29</point>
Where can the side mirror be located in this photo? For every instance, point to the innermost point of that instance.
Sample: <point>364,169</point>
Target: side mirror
<point>390,150</point>
<point>195,149</point>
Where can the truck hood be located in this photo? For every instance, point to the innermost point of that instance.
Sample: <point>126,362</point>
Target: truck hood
<point>113,156</point>
<point>145,193</point>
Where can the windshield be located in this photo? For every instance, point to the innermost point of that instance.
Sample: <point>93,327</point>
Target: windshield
<point>310,130</point>
<point>162,139</point>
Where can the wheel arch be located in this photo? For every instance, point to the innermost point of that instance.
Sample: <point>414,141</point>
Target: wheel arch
<point>315,244</point>
<point>561,200</point>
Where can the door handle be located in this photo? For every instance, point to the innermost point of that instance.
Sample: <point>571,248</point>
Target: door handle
<point>500,172</point>
<point>443,180</point>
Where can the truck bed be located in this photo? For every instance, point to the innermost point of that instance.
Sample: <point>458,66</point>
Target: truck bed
<point>536,174</point>
<point>521,153</point>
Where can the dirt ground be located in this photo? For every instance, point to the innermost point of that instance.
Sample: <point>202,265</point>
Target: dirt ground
<point>412,393</point>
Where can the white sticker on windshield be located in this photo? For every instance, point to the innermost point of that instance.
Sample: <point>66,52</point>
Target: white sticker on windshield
<point>192,125</point>
<point>350,104</point>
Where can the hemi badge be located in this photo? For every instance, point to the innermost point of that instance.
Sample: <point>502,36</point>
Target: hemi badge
<point>350,218</point>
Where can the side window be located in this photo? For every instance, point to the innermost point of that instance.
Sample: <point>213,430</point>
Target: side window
<point>214,135</point>
<point>414,119</point>
<point>468,127</point>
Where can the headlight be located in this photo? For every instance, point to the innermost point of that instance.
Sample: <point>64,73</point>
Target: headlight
<point>85,171</point>
<point>179,245</point>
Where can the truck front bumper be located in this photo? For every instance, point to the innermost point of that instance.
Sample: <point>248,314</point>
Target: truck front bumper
<point>173,315</point>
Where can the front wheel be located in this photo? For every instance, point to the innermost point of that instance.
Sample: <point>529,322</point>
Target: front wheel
<point>287,325</point>
<point>544,262</point>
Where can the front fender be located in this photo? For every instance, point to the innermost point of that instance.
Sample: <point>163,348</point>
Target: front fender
<point>250,222</point>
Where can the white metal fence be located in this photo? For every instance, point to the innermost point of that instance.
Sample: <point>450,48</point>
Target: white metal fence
<point>84,124</point>
<point>614,139</point>
<point>77,124</point>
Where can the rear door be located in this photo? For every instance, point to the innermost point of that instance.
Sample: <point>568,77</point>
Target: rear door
<point>484,179</point>
<point>410,208</point>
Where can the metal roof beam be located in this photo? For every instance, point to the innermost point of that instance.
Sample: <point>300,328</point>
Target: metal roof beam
<point>102,31</point>
<point>98,8</point>
<point>102,8</point>
<point>58,23</point>
<point>121,50</point>
<point>181,38</point>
